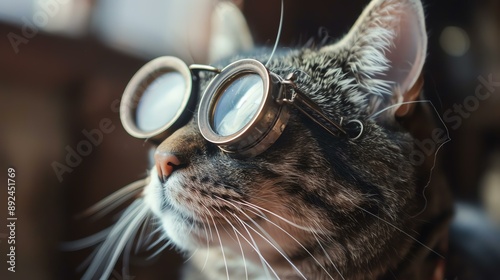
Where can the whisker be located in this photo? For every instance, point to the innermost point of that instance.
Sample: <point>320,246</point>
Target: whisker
<point>328,256</point>
<point>154,244</point>
<point>280,27</point>
<point>208,245</point>
<point>112,206</point>
<point>126,257</point>
<point>298,242</point>
<point>87,260</point>
<point>192,255</point>
<point>265,264</point>
<point>153,233</point>
<point>269,239</point>
<point>114,200</point>
<point>108,253</point>
<point>238,239</point>
<point>140,241</point>
<point>279,250</point>
<point>263,261</point>
<point>168,243</point>
<point>242,253</point>
<point>220,242</point>
<point>122,242</point>
<point>256,207</point>
<point>87,241</point>
<point>122,222</point>
<point>398,229</point>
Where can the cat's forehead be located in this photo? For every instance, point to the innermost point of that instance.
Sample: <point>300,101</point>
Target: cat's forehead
<point>317,66</point>
<point>322,76</point>
<point>315,70</point>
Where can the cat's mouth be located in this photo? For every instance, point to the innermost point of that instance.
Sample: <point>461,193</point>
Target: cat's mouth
<point>197,225</point>
<point>193,204</point>
<point>202,216</point>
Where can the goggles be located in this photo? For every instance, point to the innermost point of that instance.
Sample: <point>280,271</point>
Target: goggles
<point>244,109</point>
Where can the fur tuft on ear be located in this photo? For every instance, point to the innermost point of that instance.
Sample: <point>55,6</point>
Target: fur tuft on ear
<point>385,52</point>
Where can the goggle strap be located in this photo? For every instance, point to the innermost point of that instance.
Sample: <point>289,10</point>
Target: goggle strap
<point>317,116</point>
<point>310,109</point>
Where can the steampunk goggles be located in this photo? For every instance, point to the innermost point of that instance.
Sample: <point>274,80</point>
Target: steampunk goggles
<point>244,109</point>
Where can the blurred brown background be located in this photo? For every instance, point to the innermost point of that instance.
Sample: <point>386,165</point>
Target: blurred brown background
<point>65,72</point>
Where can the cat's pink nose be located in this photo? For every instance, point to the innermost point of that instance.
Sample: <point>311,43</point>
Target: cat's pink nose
<point>166,163</point>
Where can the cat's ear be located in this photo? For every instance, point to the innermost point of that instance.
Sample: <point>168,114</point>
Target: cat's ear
<point>385,51</point>
<point>229,32</point>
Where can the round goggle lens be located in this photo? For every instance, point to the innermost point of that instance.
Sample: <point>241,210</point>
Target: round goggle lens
<point>160,101</point>
<point>238,104</point>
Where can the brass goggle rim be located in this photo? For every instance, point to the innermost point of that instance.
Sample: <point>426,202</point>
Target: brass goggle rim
<point>268,114</point>
<point>142,79</point>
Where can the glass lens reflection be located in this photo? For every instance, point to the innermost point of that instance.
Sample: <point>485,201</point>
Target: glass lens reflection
<point>238,104</point>
<point>160,101</point>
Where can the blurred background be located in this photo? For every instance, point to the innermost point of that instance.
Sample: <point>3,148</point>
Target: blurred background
<point>65,63</point>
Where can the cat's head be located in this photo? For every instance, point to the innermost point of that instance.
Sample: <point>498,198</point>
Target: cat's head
<point>312,204</point>
<point>327,203</point>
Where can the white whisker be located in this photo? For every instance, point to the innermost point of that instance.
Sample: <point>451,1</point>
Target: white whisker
<point>87,260</point>
<point>300,244</point>
<point>265,264</point>
<point>120,224</point>
<point>154,244</point>
<point>141,240</point>
<point>120,244</point>
<point>168,243</point>
<point>242,252</point>
<point>152,234</point>
<point>208,247</point>
<point>114,200</point>
<point>192,255</point>
<point>280,27</point>
<point>112,247</point>
<point>279,250</point>
<point>87,241</point>
<point>258,208</point>
<point>268,238</point>
<point>126,257</point>
<point>220,242</point>
<point>238,239</point>
<point>328,256</point>
<point>398,229</point>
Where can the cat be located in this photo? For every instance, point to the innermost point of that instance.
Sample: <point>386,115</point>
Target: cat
<point>312,206</point>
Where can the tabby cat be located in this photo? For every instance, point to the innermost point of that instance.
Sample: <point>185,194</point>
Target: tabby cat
<point>312,206</point>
